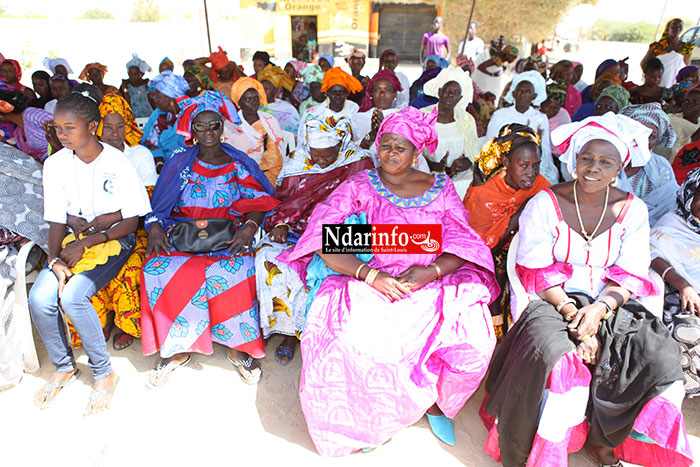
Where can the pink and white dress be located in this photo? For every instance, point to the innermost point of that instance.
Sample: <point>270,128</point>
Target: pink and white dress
<point>550,253</point>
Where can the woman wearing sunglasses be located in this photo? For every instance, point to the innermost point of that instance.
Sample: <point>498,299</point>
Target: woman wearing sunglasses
<point>191,301</point>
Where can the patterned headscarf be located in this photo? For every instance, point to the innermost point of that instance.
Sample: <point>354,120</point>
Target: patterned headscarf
<point>490,159</point>
<point>684,199</point>
<point>213,101</point>
<point>383,74</point>
<point>322,133</point>
<point>115,104</point>
<point>276,76</point>
<point>557,91</point>
<point>653,114</point>
<point>52,63</point>
<point>356,54</point>
<point>242,85</point>
<point>602,74</point>
<point>312,74</point>
<point>498,56</point>
<point>337,76</point>
<point>677,90</point>
<point>412,124</point>
<point>138,63</point>
<point>538,85</point>
<point>167,62</point>
<point>201,75</point>
<point>170,84</point>
<point>84,74</point>
<point>617,93</point>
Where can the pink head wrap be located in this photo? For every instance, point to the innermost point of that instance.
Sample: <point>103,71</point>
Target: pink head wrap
<point>382,74</point>
<point>412,124</point>
<point>298,66</point>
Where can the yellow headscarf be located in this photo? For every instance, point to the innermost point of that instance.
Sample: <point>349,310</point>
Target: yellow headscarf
<point>114,103</point>
<point>242,85</point>
<point>337,76</point>
<point>277,77</point>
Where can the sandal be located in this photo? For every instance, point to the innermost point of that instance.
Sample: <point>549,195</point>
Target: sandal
<point>161,373</point>
<point>50,386</point>
<point>249,364</point>
<point>122,340</point>
<point>97,395</point>
<point>442,428</point>
<point>284,351</point>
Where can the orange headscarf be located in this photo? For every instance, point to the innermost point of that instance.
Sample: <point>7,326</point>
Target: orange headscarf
<point>84,74</point>
<point>337,76</point>
<point>114,103</point>
<point>242,85</point>
<point>277,77</point>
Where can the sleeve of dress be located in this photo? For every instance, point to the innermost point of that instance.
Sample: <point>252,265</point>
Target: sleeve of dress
<point>538,232</point>
<point>253,196</point>
<point>344,201</point>
<point>631,268</point>
<point>55,202</point>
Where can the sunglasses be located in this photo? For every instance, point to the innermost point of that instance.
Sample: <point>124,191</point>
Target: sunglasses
<point>213,126</point>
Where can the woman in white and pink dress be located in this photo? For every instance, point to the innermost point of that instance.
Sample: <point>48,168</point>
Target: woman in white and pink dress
<point>587,364</point>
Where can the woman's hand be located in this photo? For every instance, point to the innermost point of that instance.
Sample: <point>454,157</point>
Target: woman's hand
<point>587,320</point>
<point>76,224</point>
<point>242,240</point>
<point>390,287</point>
<point>279,233</point>
<point>51,137</point>
<point>690,301</point>
<point>460,165</point>
<point>377,119</point>
<point>62,273</point>
<point>589,351</point>
<point>102,223</point>
<point>72,253</point>
<point>157,241</point>
<point>417,277</point>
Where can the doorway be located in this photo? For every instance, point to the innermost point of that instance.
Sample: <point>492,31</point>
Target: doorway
<point>304,37</point>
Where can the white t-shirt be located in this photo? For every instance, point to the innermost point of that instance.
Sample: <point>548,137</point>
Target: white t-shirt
<point>50,106</point>
<point>107,184</point>
<point>142,158</point>
<point>473,48</point>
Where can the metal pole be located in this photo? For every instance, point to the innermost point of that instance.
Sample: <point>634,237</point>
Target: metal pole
<point>661,19</point>
<point>206,18</point>
<point>469,23</point>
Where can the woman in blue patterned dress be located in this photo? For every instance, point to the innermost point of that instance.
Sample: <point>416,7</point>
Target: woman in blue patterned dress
<point>191,301</point>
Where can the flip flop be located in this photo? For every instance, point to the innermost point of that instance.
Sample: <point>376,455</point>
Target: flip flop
<point>122,340</point>
<point>284,351</point>
<point>50,386</point>
<point>249,364</point>
<point>442,428</point>
<point>98,395</point>
<point>164,372</point>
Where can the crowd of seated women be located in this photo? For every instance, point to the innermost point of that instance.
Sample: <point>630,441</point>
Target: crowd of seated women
<point>560,214</point>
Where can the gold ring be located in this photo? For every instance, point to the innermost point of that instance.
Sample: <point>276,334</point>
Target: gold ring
<point>585,338</point>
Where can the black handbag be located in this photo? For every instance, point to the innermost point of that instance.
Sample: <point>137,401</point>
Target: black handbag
<point>202,236</point>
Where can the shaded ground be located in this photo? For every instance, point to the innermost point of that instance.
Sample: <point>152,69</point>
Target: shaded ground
<point>205,414</point>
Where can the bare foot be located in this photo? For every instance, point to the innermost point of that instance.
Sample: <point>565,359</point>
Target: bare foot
<point>101,395</point>
<point>42,398</point>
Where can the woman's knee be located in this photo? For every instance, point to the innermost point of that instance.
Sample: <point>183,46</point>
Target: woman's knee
<point>43,296</point>
<point>74,295</point>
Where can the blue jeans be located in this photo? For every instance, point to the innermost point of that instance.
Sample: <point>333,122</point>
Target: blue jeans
<point>75,301</point>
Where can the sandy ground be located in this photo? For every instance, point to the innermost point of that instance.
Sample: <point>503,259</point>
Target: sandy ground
<point>205,414</point>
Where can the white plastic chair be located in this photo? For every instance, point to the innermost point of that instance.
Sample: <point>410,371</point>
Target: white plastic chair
<point>519,298</point>
<point>21,308</point>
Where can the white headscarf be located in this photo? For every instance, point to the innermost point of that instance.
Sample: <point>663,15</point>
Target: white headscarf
<point>533,77</point>
<point>138,63</point>
<point>630,137</point>
<point>52,63</point>
<point>457,75</point>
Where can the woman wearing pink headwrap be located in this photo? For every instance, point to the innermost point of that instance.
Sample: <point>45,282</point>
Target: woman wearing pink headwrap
<point>396,347</point>
<point>11,73</point>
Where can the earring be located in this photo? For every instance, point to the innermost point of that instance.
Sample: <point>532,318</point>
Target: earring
<point>195,140</point>
<point>222,139</point>
<point>613,183</point>
<point>415,162</point>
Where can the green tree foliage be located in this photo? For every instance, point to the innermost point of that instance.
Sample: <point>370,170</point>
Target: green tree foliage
<point>146,11</point>
<point>618,31</point>
<point>96,13</point>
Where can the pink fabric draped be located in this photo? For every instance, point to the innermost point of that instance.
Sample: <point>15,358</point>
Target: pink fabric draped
<point>536,280</point>
<point>372,367</point>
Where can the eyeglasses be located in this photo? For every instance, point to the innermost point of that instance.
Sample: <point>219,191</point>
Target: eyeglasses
<point>213,126</point>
